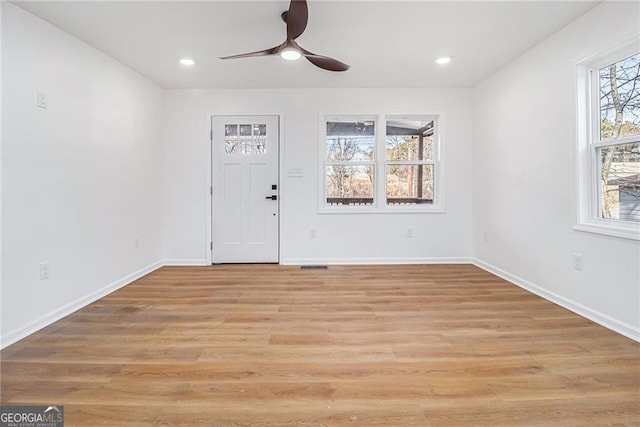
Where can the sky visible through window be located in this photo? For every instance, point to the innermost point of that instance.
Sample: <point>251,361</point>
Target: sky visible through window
<point>620,98</point>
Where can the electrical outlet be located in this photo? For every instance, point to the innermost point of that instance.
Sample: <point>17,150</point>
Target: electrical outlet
<point>42,101</point>
<point>408,233</point>
<point>45,270</point>
<point>136,242</point>
<point>485,237</point>
<point>313,233</point>
<point>578,261</point>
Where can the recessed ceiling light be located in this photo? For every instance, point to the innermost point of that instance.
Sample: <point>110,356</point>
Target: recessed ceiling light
<point>443,60</point>
<point>187,62</point>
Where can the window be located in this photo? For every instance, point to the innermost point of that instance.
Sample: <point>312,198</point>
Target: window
<point>616,144</point>
<point>245,138</point>
<point>350,166</point>
<point>368,170</point>
<point>409,161</point>
<point>609,163</point>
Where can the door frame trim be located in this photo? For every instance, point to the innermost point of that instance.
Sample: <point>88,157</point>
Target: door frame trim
<point>210,183</point>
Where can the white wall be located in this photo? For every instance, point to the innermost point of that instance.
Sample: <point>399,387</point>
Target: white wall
<point>0,175</point>
<point>524,186</point>
<point>79,179</point>
<point>341,238</point>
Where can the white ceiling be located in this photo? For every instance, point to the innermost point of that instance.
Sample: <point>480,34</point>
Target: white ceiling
<point>387,43</point>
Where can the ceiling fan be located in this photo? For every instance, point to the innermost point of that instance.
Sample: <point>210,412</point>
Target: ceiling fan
<point>296,19</point>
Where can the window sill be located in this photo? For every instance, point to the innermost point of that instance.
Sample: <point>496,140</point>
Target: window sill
<point>619,230</point>
<point>421,209</point>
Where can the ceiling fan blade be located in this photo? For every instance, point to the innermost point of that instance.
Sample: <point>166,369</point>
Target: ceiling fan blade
<point>265,52</point>
<point>297,18</point>
<point>326,62</point>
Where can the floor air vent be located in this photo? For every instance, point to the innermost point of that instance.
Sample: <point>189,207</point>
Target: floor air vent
<point>313,267</point>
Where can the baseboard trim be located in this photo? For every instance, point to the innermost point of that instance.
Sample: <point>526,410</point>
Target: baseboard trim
<point>185,262</point>
<point>59,313</point>
<point>375,261</point>
<point>602,319</point>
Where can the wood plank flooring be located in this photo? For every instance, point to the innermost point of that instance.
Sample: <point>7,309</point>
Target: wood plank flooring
<point>268,345</point>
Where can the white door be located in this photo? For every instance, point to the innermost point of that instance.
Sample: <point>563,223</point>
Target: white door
<point>245,189</point>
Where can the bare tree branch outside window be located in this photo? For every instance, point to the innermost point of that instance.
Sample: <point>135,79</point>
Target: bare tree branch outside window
<point>620,118</point>
<point>349,163</point>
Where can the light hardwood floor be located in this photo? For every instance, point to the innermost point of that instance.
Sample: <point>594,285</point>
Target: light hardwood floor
<point>267,345</point>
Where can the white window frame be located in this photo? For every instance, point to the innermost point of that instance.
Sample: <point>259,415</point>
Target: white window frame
<point>588,143</point>
<point>380,165</point>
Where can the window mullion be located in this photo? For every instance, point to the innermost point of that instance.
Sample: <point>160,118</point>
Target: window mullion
<point>381,168</point>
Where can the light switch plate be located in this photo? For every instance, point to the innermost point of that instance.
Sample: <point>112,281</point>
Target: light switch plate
<point>294,173</point>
